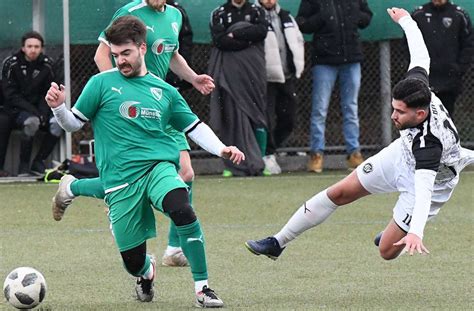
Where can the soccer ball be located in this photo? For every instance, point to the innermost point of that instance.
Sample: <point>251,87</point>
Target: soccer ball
<point>24,288</point>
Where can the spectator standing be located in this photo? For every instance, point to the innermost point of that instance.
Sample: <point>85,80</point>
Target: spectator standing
<point>284,57</point>
<point>337,53</point>
<point>237,64</point>
<point>447,31</point>
<point>5,130</point>
<point>26,78</point>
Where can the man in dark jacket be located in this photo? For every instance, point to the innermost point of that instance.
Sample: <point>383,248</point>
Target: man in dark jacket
<point>448,34</point>
<point>26,77</point>
<point>237,64</point>
<point>336,53</point>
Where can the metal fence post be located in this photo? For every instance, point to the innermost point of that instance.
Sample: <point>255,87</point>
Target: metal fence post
<point>385,92</point>
<point>66,139</point>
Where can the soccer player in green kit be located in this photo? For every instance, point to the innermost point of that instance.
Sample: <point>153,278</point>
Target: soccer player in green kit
<point>163,23</point>
<point>137,159</point>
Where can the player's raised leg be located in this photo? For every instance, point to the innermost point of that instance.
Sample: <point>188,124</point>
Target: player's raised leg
<point>312,213</point>
<point>69,188</point>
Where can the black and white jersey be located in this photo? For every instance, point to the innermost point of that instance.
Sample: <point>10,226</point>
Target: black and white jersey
<point>434,143</point>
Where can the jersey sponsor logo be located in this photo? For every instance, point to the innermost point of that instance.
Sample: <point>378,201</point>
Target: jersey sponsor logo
<point>447,22</point>
<point>159,47</point>
<point>117,90</point>
<point>367,168</point>
<point>152,28</point>
<point>156,92</point>
<point>129,110</point>
<point>150,113</point>
<point>175,27</point>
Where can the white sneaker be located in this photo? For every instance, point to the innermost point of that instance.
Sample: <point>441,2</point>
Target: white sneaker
<point>144,287</point>
<point>174,260</point>
<point>271,164</point>
<point>61,199</point>
<point>207,298</point>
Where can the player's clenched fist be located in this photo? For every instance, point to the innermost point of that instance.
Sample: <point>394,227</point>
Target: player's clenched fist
<point>396,13</point>
<point>55,96</point>
<point>233,153</point>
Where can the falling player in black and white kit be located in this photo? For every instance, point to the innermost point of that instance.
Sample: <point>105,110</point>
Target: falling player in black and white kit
<point>423,165</point>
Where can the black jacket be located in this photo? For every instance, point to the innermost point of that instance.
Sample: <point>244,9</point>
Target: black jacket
<point>226,15</point>
<point>25,84</point>
<point>334,25</point>
<point>448,35</point>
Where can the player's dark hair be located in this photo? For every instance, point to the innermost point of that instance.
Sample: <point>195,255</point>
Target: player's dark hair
<point>32,35</point>
<point>413,92</point>
<point>125,29</point>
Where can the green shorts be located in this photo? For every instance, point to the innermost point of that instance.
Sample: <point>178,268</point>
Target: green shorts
<point>131,208</point>
<point>180,139</point>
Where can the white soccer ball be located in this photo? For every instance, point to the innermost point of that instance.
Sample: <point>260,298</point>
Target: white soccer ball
<point>24,288</point>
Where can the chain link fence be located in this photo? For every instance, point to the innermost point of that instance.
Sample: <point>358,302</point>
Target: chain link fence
<point>370,105</point>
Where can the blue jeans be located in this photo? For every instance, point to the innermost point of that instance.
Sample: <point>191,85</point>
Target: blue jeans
<point>324,77</point>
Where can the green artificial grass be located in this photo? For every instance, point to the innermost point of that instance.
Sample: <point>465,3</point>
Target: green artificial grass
<point>334,266</point>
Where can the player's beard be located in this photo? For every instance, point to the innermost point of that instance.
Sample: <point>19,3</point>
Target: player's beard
<point>131,69</point>
<point>404,126</point>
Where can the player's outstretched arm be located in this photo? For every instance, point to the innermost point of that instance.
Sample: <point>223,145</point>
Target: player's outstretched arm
<point>55,97</point>
<point>205,137</point>
<point>203,83</point>
<point>419,56</point>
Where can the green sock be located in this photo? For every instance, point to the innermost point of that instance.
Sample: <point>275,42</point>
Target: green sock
<point>173,237</point>
<point>192,243</point>
<point>261,136</point>
<point>144,269</point>
<point>88,187</point>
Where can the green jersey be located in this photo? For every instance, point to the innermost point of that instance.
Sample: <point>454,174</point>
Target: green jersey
<point>129,117</point>
<point>162,33</point>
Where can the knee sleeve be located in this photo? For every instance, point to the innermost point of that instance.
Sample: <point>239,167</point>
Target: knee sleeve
<point>31,126</point>
<point>54,128</point>
<point>134,259</point>
<point>176,205</point>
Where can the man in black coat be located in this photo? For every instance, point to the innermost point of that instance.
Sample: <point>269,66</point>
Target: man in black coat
<point>237,64</point>
<point>26,77</point>
<point>337,54</point>
<point>448,34</point>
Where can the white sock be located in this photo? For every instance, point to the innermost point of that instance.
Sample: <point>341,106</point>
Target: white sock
<point>198,285</point>
<point>312,213</point>
<point>69,191</point>
<point>149,273</point>
<point>171,250</point>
